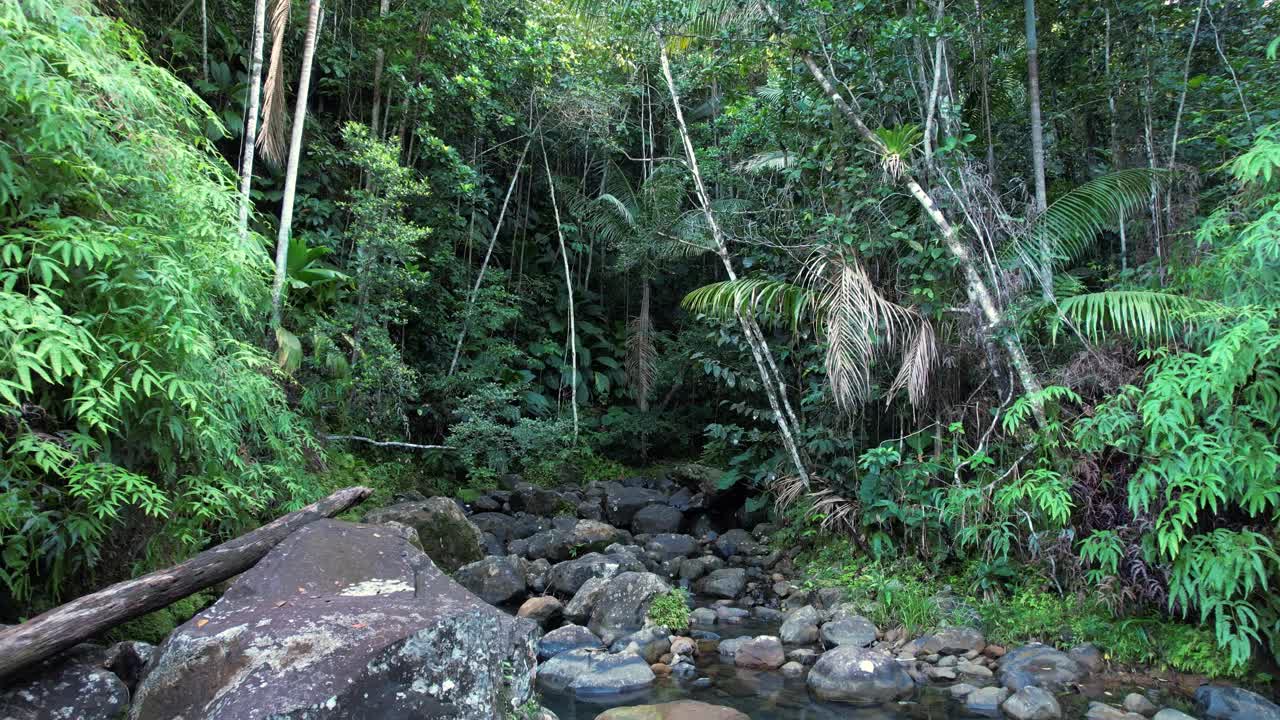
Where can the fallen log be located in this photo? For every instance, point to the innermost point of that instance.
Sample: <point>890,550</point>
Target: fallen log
<point>66,625</point>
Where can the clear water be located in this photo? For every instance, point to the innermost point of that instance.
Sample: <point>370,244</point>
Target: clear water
<point>762,695</point>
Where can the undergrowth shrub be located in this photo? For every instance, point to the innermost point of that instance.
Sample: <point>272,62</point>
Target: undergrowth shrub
<point>671,609</point>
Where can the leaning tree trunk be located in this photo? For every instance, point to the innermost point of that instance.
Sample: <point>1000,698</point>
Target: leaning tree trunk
<point>62,627</point>
<point>775,390</point>
<point>291,171</point>
<point>251,113</point>
<point>568,285</point>
<point>975,286</point>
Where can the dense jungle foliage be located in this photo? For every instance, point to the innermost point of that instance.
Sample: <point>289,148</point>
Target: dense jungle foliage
<point>978,295</point>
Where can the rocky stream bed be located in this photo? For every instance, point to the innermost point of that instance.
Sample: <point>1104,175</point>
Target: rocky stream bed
<point>533,603</point>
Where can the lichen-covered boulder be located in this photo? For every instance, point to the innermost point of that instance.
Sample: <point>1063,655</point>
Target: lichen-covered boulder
<point>623,604</point>
<point>495,580</point>
<point>851,674</point>
<point>1223,702</point>
<point>72,686</point>
<point>447,536</point>
<point>342,621</point>
<point>568,576</point>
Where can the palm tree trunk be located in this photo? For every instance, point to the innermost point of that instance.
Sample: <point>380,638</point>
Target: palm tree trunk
<point>975,286</point>
<point>775,390</point>
<point>291,170</point>
<point>248,148</point>
<point>568,284</point>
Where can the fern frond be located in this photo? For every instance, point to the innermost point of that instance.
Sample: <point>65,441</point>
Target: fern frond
<point>767,161</point>
<point>774,301</point>
<point>1142,314</point>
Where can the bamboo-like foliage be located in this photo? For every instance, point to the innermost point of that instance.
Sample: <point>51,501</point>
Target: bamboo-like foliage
<point>857,322</point>
<point>271,142</point>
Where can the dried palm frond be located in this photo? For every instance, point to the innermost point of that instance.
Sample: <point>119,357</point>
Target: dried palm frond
<point>641,364</point>
<point>271,142</point>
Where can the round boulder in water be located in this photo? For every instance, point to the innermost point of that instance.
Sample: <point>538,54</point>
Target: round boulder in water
<point>851,674</point>
<point>679,710</point>
<point>588,673</point>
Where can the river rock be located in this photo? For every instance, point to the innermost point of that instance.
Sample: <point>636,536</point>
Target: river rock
<point>128,660</point>
<point>960,640</point>
<point>1032,703</point>
<point>578,609</point>
<point>542,610</point>
<point>622,503</point>
<point>852,674</point>
<point>1103,711</point>
<point>655,519</point>
<point>496,524</point>
<point>668,546</point>
<point>567,577</point>
<point>857,631</point>
<point>1223,702</point>
<point>650,643</point>
<point>985,701</point>
<point>728,583</point>
<point>703,616</point>
<point>1171,714</point>
<point>1138,703</point>
<point>590,673</point>
<point>342,620</point>
<point>729,648</point>
<point>594,536</point>
<point>678,710</point>
<point>1038,665</point>
<point>800,626</point>
<point>763,652</point>
<point>623,605</point>
<point>566,638</point>
<point>68,687</point>
<point>1088,656</point>
<point>733,542</point>
<point>447,536</point>
<point>496,580</point>
<point>535,500</point>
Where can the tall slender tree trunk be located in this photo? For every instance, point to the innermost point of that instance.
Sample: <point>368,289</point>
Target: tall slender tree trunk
<point>249,146</point>
<point>291,170</point>
<point>1115,134</point>
<point>379,58</point>
<point>204,39</point>
<point>932,107</point>
<point>1033,95</point>
<point>774,387</point>
<point>568,284</point>
<point>975,286</point>
<point>488,253</point>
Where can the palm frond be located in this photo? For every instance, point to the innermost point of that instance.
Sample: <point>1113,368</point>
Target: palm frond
<point>918,360</point>
<point>271,142</point>
<point>1142,314</point>
<point>767,161</point>
<point>1071,224</point>
<point>775,301</point>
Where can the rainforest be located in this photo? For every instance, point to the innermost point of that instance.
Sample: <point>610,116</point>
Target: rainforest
<point>639,359</point>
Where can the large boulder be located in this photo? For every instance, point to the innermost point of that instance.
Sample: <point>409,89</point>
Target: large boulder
<point>728,583</point>
<point>591,673</point>
<point>1039,665</point>
<point>342,621</point>
<point>851,674</point>
<point>72,687</point>
<point>655,519</point>
<point>447,536</point>
<point>763,652</point>
<point>595,536</point>
<point>554,545</point>
<point>567,577</point>
<point>579,607</point>
<point>960,640</point>
<point>496,580</point>
<point>499,525</point>
<point>678,710</point>
<point>566,638</point>
<point>1223,702</point>
<point>623,604</point>
<point>1032,703</point>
